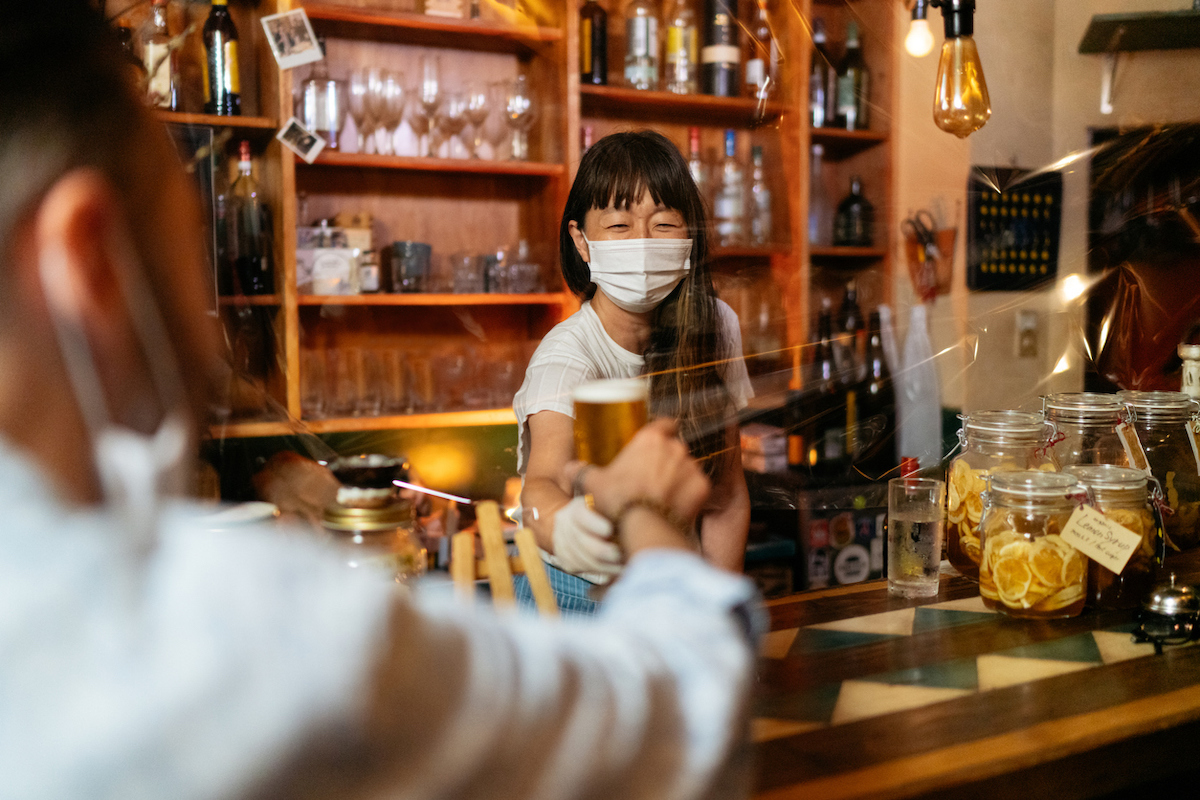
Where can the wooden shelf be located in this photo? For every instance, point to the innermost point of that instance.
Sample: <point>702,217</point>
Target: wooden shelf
<point>444,419</point>
<point>751,252</point>
<point>839,143</point>
<point>257,125</point>
<point>699,109</point>
<point>252,429</point>
<point>344,22</point>
<point>249,300</point>
<point>421,299</point>
<point>460,166</point>
<point>847,253</point>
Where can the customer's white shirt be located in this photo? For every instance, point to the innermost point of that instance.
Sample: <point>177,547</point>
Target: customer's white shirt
<point>197,673</point>
<point>579,349</point>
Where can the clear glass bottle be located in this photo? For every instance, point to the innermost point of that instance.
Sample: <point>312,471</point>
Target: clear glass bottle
<point>762,71</point>
<point>820,224</point>
<point>820,75</point>
<point>696,164</point>
<point>683,49</point>
<point>161,87</point>
<point>1087,428</point>
<point>382,538</point>
<point>1027,570</point>
<point>854,223</point>
<point>1161,420</point>
<point>1120,494</point>
<point>641,44</point>
<point>248,226</point>
<point>760,200</point>
<point>992,442</point>
<point>729,203</point>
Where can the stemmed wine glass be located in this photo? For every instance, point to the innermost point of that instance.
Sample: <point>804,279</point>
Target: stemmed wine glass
<point>393,108</point>
<point>357,104</point>
<point>478,108</point>
<point>377,77</point>
<point>518,108</point>
<point>451,119</point>
<point>429,97</point>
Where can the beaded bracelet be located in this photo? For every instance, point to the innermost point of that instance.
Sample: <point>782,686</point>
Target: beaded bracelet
<point>661,509</point>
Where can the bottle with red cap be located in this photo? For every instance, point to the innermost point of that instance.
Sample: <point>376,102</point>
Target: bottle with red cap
<point>249,230</point>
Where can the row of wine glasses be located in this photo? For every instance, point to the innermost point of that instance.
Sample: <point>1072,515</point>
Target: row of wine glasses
<point>438,116</point>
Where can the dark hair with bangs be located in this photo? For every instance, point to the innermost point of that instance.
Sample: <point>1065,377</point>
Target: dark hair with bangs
<point>687,342</point>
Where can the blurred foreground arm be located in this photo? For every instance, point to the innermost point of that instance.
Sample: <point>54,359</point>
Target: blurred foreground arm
<point>648,700</point>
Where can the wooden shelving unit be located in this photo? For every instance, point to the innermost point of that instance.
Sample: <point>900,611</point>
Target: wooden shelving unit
<point>256,126</point>
<point>616,101</point>
<point>459,166</point>
<point>417,299</point>
<point>345,22</point>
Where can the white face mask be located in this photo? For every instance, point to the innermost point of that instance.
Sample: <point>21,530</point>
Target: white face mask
<point>638,274</point>
<point>136,470</point>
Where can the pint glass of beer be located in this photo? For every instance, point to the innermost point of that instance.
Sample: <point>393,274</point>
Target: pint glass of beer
<point>607,415</point>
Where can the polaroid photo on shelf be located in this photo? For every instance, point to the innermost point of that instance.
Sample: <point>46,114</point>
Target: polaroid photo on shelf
<point>300,140</point>
<point>292,39</point>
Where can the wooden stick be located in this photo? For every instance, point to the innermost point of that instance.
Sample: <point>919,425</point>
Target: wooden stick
<point>462,565</point>
<point>535,572</point>
<point>495,553</point>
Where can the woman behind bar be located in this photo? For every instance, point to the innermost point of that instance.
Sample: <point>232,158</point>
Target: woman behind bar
<point>665,323</point>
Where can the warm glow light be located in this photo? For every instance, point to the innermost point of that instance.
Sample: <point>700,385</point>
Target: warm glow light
<point>961,104</point>
<point>919,41</point>
<point>1072,288</point>
<point>1063,365</point>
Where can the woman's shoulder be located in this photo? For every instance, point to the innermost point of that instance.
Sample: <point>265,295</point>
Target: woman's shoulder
<point>570,340</point>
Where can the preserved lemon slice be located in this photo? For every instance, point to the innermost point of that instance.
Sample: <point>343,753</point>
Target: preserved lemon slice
<point>1072,571</point>
<point>1046,562</point>
<point>1012,578</point>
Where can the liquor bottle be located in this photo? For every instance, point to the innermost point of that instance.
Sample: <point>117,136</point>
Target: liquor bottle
<point>851,336</point>
<point>249,230</point>
<point>124,34</point>
<point>762,66</point>
<point>696,163</point>
<point>826,424</point>
<point>760,200</point>
<point>729,203</point>
<point>853,226</point>
<point>821,79</point>
<point>852,84</point>
<point>720,57</point>
<point>683,49</point>
<point>222,86</point>
<point>876,439</point>
<point>641,44</point>
<point>593,44</point>
<point>820,206</point>
<point>159,60</point>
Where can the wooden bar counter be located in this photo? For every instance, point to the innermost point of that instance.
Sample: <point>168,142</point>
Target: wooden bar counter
<point>862,695</point>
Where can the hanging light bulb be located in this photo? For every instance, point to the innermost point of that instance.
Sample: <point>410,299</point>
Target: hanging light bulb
<point>960,105</point>
<point>920,39</point>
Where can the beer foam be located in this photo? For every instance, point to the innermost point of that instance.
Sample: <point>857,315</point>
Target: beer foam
<point>614,390</point>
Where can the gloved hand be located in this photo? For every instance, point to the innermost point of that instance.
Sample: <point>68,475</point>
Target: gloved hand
<point>583,540</point>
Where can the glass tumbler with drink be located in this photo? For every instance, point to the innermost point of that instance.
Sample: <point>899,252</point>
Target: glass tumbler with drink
<point>916,520</point>
<point>607,415</point>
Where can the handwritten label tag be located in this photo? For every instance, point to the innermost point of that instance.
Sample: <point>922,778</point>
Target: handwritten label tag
<point>1133,447</point>
<point>1101,539</point>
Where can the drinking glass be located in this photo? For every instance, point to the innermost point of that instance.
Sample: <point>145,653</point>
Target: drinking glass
<point>607,415</point>
<point>451,118</point>
<point>393,108</point>
<point>916,519</point>
<point>313,384</point>
<point>370,384</point>
<point>518,107</point>
<point>376,106</point>
<point>479,107</point>
<point>343,382</point>
<point>395,380</point>
<point>356,101</point>
<point>495,130</point>
<point>429,97</point>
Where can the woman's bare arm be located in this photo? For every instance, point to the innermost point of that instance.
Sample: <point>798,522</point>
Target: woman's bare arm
<point>726,520</point>
<point>551,446</point>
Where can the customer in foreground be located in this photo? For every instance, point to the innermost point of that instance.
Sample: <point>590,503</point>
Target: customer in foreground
<point>145,657</point>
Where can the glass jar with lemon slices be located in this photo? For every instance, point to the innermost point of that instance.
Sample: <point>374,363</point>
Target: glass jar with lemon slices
<point>992,441</point>
<point>1121,495</point>
<point>1027,569</point>
<point>1086,424</point>
<point>1161,420</point>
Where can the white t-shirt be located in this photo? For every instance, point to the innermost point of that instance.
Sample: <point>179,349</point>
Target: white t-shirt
<point>578,350</point>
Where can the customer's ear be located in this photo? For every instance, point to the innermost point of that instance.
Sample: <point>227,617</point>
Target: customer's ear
<point>580,243</point>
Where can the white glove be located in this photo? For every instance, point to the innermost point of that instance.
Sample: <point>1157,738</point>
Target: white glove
<point>583,540</point>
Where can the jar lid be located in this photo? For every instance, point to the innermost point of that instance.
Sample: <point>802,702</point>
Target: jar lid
<point>347,518</point>
<point>1107,477</point>
<point>1084,406</point>
<point>1033,484</point>
<point>1023,424</point>
<point>1151,404</point>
